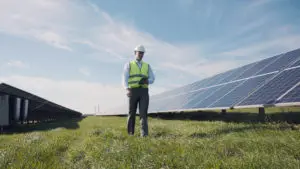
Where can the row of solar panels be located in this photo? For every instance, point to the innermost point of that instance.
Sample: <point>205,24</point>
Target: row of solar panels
<point>269,81</point>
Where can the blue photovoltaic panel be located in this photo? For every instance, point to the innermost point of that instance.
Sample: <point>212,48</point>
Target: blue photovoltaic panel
<point>165,94</point>
<point>194,85</point>
<point>184,89</point>
<point>160,104</point>
<point>200,84</point>
<point>166,104</point>
<point>237,72</point>
<point>297,63</point>
<point>193,97</point>
<point>157,105</point>
<point>257,67</point>
<point>208,82</point>
<point>176,102</point>
<point>205,83</point>
<point>217,94</point>
<point>158,96</point>
<point>218,79</point>
<point>179,101</point>
<point>292,96</point>
<point>282,62</point>
<point>175,91</point>
<point>241,91</point>
<point>214,80</point>
<point>199,97</point>
<point>274,88</point>
<point>257,87</point>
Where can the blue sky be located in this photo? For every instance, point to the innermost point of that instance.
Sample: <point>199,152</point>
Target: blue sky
<point>73,51</point>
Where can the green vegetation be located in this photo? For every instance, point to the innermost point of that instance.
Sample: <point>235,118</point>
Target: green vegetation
<point>102,142</point>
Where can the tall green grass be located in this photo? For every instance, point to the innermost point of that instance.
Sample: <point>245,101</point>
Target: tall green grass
<point>102,142</point>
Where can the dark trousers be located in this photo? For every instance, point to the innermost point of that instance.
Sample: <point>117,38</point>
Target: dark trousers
<point>139,97</point>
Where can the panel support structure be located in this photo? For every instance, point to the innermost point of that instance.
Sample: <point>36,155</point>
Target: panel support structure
<point>261,113</point>
<point>223,112</point>
<point>4,110</point>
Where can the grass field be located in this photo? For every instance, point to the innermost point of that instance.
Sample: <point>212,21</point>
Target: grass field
<point>102,142</point>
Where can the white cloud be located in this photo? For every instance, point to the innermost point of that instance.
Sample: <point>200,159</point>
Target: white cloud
<point>203,69</point>
<point>40,19</point>
<point>16,64</point>
<point>53,39</point>
<point>266,48</point>
<point>48,21</point>
<point>85,71</point>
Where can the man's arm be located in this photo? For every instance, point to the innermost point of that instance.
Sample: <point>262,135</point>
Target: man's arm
<point>151,77</point>
<point>125,76</point>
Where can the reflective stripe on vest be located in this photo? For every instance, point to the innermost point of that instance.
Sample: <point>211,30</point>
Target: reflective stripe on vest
<point>136,74</point>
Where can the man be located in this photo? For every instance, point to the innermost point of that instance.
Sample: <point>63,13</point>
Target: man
<point>136,78</point>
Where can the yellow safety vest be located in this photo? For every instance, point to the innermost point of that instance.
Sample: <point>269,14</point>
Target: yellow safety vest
<point>136,74</point>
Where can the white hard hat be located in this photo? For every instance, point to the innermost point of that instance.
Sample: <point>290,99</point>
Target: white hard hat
<point>140,48</point>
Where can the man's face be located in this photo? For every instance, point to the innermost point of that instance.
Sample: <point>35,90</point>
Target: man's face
<point>139,55</point>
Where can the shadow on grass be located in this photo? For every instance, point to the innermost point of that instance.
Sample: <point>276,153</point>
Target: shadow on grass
<point>289,117</point>
<point>45,126</point>
<point>225,131</point>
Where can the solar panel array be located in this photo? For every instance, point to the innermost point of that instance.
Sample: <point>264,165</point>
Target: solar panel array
<point>273,80</point>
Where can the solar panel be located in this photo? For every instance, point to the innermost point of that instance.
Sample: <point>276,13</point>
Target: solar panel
<point>292,96</point>
<point>172,92</point>
<point>200,96</point>
<point>282,62</point>
<point>192,97</point>
<point>219,78</point>
<point>157,105</point>
<point>268,81</point>
<point>200,84</point>
<point>232,97</point>
<point>268,93</point>
<point>258,67</point>
<point>216,95</point>
<point>177,101</point>
<point>188,97</point>
<point>297,63</point>
<point>236,72</point>
<point>171,103</point>
<point>214,80</point>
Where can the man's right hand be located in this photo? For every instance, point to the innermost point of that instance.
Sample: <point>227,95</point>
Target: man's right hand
<point>128,92</point>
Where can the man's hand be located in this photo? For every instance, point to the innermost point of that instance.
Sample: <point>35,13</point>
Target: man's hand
<point>128,92</point>
<point>146,81</point>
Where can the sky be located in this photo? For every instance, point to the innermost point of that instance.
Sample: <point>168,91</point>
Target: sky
<point>72,52</point>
